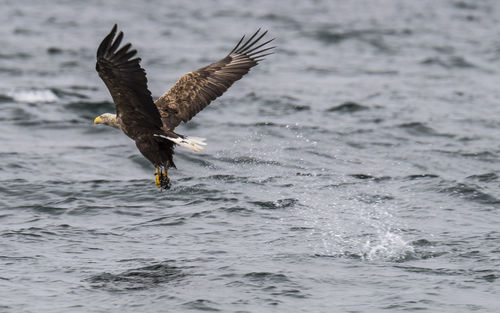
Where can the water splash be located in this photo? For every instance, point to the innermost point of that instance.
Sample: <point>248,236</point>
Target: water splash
<point>354,228</point>
<point>388,246</point>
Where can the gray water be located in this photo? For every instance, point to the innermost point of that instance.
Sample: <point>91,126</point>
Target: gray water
<point>355,170</point>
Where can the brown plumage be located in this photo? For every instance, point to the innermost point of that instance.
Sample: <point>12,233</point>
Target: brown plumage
<point>151,124</point>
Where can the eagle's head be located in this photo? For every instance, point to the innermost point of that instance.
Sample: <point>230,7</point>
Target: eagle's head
<point>107,119</point>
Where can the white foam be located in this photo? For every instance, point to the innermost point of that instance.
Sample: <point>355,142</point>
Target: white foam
<point>33,96</point>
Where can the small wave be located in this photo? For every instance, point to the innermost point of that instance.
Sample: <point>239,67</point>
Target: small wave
<point>18,55</point>
<point>266,276</point>
<point>283,105</point>
<point>369,177</point>
<point>5,98</point>
<point>332,37</point>
<point>450,62</point>
<point>63,94</point>
<point>93,108</point>
<point>465,5</point>
<point>275,284</point>
<point>201,305</point>
<point>33,96</point>
<point>140,278</point>
<point>274,205</point>
<point>472,193</point>
<point>163,221</point>
<point>486,178</point>
<point>376,198</point>
<point>420,129</point>
<point>348,107</point>
<point>421,176</point>
<point>372,37</point>
<point>487,156</point>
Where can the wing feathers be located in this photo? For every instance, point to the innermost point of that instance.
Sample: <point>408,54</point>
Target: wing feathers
<point>195,90</point>
<point>126,81</point>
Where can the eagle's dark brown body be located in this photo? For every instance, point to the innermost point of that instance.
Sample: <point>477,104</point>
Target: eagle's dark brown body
<point>151,124</point>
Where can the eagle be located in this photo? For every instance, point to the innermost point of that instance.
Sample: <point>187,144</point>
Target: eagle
<point>151,124</point>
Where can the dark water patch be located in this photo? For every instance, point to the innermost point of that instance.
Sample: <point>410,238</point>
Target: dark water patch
<point>11,71</point>
<point>221,199</point>
<point>274,205</point>
<point>16,56</point>
<point>471,193</point>
<point>421,176</point>
<point>25,31</point>
<point>5,98</point>
<point>348,107</point>
<point>137,279</point>
<point>485,178</point>
<point>54,50</point>
<point>90,109</point>
<point>49,124</point>
<point>465,5</point>
<point>238,209</point>
<point>46,209</point>
<point>434,271</point>
<point>422,243</point>
<point>22,233</point>
<point>345,254</point>
<point>487,275</point>
<point>490,278</point>
<point>201,305</point>
<point>420,129</point>
<point>70,64</point>
<point>264,277</point>
<point>371,36</point>
<point>370,177</point>
<point>83,88</point>
<point>285,104</point>
<point>450,62</point>
<point>485,156</point>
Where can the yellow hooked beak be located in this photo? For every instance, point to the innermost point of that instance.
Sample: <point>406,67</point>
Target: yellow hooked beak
<point>97,120</point>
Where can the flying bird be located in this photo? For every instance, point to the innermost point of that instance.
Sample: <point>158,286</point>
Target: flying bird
<point>151,123</point>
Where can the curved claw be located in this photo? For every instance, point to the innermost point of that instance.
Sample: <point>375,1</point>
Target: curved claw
<point>165,182</point>
<point>161,179</point>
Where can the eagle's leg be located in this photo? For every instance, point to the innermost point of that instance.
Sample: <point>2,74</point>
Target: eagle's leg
<point>161,178</point>
<point>157,177</point>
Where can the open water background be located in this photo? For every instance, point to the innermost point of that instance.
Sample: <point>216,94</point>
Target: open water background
<point>356,170</point>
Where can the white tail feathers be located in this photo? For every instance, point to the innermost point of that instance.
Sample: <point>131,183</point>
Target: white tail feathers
<point>193,143</point>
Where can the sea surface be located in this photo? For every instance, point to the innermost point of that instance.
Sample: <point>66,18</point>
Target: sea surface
<point>355,170</point>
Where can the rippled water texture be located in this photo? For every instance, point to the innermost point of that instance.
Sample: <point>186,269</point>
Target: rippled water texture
<point>356,170</point>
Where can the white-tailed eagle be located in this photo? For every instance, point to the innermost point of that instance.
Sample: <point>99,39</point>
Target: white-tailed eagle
<point>151,123</point>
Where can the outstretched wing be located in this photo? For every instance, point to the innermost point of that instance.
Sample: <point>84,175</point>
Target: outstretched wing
<point>127,82</point>
<point>195,90</point>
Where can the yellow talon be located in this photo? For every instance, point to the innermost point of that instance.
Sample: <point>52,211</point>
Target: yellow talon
<point>157,181</point>
<point>161,179</point>
<point>157,177</point>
